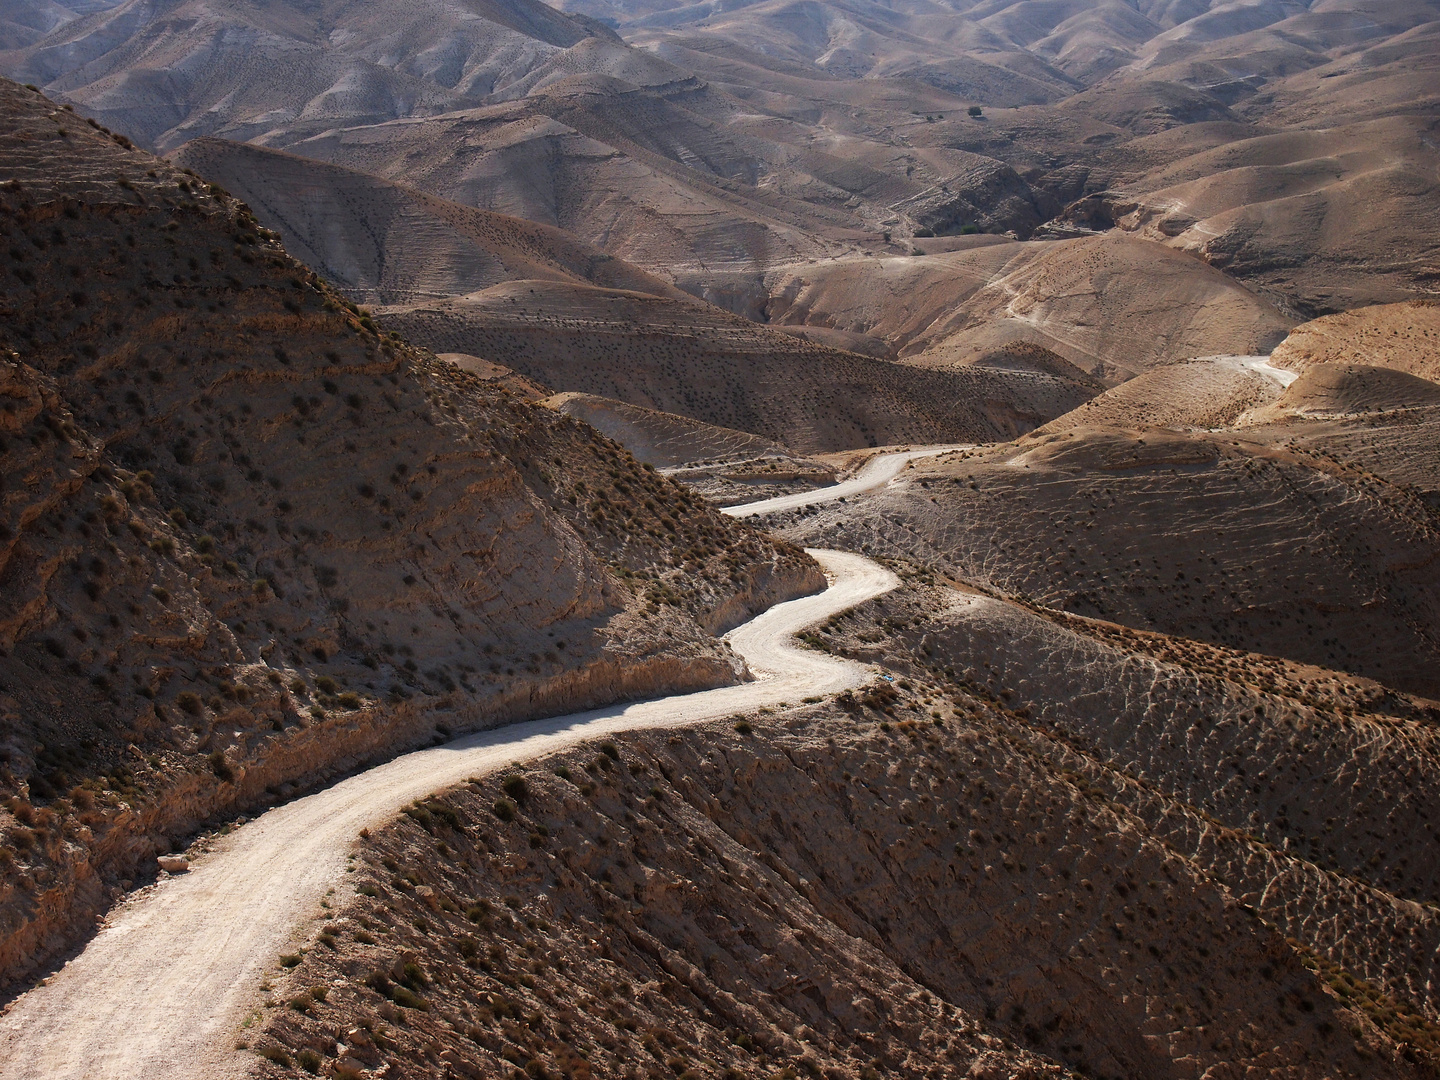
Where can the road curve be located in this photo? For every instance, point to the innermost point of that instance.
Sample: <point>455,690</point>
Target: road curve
<point>1260,365</point>
<point>161,990</point>
<point>877,472</point>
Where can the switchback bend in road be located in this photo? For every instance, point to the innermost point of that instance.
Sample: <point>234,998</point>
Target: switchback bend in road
<point>159,992</point>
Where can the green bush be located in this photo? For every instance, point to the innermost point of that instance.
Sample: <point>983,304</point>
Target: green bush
<point>407,999</point>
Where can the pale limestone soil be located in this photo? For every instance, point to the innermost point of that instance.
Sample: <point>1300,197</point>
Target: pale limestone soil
<point>873,475</point>
<point>161,989</point>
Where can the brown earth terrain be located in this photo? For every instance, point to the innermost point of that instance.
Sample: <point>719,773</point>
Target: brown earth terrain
<point>695,360</point>
<point>953,891</point>
<point>1109,305</point>
<point>1291,148</point>
<point>1404,337</point>
<point>1203,392</point>
<point>386,244</point>
<point>1340,389</point>
<point>497,375</point>
<point>1264,548</point>
<point>250,541</point>
<point>1329,219</point>
<point>1142,782</point>
<point>1224,750</point>
<point>724,465</point>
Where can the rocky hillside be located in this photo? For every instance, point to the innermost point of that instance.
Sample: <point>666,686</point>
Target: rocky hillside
<point>1219,537</point>
<point>914,881</point>
<point>693,359</point>
<point>269,65</point>
<point>1404,337</point>
<point>249,540</point>
<point>384,243</point>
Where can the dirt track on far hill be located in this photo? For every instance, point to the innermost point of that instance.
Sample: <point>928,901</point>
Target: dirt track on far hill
<point>876,473</point>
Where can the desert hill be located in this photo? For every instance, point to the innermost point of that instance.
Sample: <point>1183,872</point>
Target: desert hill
<point>1224,538</point>
<point>1265,753</point>
<point>1356,388</point>
<point>719,144</point>
<point>663,439</point>
<point>250,540</point>
<point>858,39</point>
<point>1333,218</point>
<point>1203,392</point>
<point>498,375</point>
<point>1111,305</point>
<point>686,357</point>
<point>1143,782</point>
<point>384,243</point>
<point>949,885</point>
<point>628,200</point>
<point>1404,337</point>
<point>724,465</point>
<point>185,68</point>
<point>1365,395</point>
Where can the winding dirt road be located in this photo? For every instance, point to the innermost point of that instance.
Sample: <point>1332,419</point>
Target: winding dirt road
<point>161,990</point>
<point>1260,365</point>
<point>876,473</point>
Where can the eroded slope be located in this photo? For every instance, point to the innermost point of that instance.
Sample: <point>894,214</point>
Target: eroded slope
<point>385,243</point>
<point>687,357</point>
<point>812,892</point>
<point>1216,537</point>
<point>250,541</point>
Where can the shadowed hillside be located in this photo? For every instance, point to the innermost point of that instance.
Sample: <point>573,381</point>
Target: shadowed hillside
<point>685,357</point>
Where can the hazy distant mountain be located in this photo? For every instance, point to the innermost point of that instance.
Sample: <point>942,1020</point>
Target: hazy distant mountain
<point>170,70</point>
<point>720,141</point>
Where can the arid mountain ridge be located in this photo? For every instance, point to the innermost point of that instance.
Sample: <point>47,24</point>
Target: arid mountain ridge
<point>251,540</point>
<point>1246,138</point>
<point>1144,781</point>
